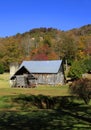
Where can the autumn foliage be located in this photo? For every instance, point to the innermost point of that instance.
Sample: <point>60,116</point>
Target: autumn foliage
<point>46,44</point>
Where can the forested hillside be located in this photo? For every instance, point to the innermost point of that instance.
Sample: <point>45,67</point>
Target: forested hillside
<point>46,44</point>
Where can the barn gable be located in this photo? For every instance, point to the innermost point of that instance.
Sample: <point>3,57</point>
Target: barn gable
<point>22,71</point>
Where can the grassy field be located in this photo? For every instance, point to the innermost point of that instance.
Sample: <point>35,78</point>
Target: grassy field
<point>4,80</point>
<point>5,89</point>
<point>41,108</point>
<point>34,113</point>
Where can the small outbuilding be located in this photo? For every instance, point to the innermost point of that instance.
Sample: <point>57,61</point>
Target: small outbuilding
<point>31,73</point>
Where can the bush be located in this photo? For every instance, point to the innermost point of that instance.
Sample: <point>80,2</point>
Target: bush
<point>1,69</point>
<point>81,88</point>
<point>77,69</point>
<point>87,63</point>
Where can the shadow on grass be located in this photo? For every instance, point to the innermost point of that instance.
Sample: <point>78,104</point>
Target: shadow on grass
<point>63,114</point>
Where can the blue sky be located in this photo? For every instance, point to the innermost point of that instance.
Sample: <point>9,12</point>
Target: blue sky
<point>19,16</point>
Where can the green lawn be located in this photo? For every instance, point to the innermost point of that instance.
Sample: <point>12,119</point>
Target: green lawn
<point>4,80</point>
<point>26,113</point>
<point>41,108</point>
<point>5,89</point>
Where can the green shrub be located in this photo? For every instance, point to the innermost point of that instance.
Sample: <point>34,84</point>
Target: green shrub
<point>77,69</point>
<point>1,69</point>
<point>81,88</point>
<point>87,63</point>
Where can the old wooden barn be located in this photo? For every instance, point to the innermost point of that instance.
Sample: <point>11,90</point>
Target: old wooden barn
<point>31,73</point>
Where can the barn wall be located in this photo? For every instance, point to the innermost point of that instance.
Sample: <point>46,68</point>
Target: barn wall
<point>60,75</point>
<point>51,78</point>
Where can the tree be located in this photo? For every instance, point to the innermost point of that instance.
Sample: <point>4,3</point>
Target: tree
<point>77,69</point>
<point>67,48</point>
<point>10,51</point>
<point>81,88</point>
<point>27,44</point>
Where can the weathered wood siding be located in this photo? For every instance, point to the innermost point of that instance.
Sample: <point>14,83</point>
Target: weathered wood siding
<point>51,79</point>
<point>21,81</point>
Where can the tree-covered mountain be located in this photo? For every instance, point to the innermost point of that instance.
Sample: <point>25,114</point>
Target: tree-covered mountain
<point>46,44</point>
<point>84,30</point>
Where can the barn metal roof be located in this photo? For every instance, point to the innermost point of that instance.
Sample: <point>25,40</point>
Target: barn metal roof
<point>51,66</point>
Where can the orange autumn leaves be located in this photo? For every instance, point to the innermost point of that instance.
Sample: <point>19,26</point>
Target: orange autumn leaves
<point>43,52</point>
